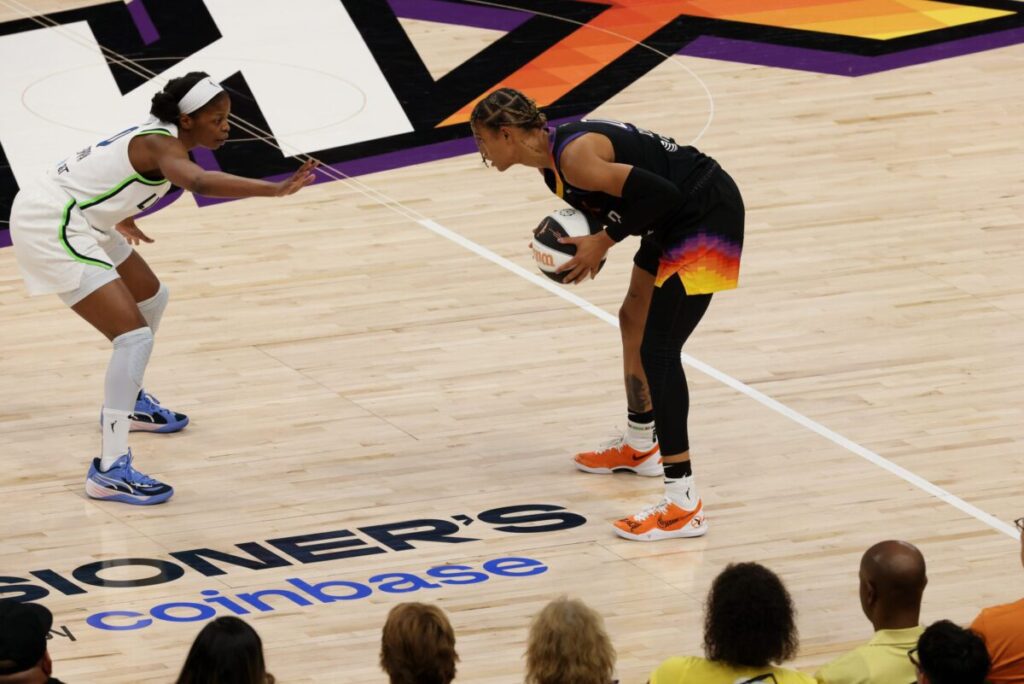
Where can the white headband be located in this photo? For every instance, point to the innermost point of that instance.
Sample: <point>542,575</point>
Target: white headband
<point>199,95</point>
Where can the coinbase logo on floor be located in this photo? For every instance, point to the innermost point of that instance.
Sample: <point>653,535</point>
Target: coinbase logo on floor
<point>334,546</point>
<point>299,592</point>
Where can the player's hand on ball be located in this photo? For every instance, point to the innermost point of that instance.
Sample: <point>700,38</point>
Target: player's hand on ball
<point>298,180</point>
<point>590,252</point>
<point>131,232</point>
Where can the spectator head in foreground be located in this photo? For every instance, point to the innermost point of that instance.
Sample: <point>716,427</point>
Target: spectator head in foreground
<point>892,582</point>
<point>949,654</point>
<point>418,645</point>
<point>226,651</point>
<point>749,619</point>
<point>24,658</point>
<point>568,645</point>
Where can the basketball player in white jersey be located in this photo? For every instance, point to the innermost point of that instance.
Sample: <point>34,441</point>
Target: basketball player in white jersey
<point>69,225</point>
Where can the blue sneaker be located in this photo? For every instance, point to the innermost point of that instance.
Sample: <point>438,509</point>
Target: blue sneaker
<point>124,483</point>
<point>150,416</point>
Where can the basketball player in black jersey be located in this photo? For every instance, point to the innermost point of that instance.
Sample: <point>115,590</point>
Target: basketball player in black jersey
<point>689,215</point>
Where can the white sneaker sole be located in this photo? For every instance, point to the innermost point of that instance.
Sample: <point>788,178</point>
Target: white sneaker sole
<point>657,535</point>
<point>100,493</point>
<point>647,468</point>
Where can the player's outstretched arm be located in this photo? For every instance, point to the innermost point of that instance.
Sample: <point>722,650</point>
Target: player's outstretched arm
<point>174,164</point>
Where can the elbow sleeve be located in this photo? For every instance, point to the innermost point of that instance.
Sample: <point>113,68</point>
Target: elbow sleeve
<point>648,198</point>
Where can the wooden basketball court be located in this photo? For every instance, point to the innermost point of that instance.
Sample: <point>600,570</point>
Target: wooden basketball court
<point>383,387</point>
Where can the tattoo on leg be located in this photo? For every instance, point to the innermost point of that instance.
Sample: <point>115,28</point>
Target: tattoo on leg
<point>638,397</point>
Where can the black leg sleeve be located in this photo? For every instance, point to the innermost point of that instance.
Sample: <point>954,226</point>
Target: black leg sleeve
<point>672,317</point>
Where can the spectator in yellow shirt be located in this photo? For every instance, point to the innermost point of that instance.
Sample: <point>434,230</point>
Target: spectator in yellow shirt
<point>1002,628</point>
<point>749,623</point>
<point>892,581</point>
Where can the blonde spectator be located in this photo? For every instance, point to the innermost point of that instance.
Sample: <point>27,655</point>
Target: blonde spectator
<point>568,645</point>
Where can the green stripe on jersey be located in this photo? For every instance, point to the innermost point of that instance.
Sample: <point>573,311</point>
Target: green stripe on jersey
<point>62,235</point>
<point>118,188</point>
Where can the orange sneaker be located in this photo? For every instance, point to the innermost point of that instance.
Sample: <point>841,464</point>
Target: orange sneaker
<point>617,455</point>
<point>664,520</point>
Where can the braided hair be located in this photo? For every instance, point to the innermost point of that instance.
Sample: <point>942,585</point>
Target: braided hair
<point>506,107</point>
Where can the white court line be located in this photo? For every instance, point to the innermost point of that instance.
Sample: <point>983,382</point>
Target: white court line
<point>760,397</point>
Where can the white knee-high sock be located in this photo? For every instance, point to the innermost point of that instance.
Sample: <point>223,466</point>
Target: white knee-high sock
<point>124,379</point>
<point>153,308</point>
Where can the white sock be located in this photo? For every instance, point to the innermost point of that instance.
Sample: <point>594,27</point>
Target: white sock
<point>640,436</point>
<point>152,309</point>
<point>127,368</point>
<point>682,492</point>
<point>124,379</point>
<point>115,436</point>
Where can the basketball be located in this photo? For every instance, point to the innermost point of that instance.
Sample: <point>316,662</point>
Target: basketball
<point>548,252</point>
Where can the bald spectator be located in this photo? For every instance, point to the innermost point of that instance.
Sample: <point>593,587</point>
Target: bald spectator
<point>1002,629</point>
<point>892,581</point>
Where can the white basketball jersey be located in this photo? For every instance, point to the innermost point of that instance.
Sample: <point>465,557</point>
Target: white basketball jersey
<point>102,182</point>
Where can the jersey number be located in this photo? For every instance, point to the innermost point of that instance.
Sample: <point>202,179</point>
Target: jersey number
<point>119,135</point>
<point>142,205</point>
